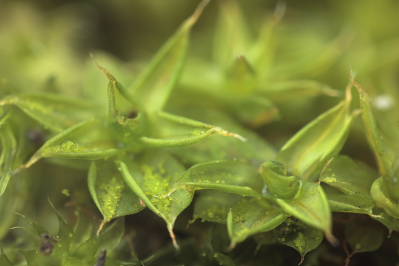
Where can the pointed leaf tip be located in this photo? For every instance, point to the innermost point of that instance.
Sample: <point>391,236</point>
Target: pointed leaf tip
<point>197,13</point>
<point>153,86</point>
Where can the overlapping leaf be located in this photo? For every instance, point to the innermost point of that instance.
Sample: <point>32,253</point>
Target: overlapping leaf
<point>293,234</point>
<point>361,242</point>
<point>317,142</point>
<point>154,178</point>
<point>310,206</point>
<point>228,176</point>
<point>250,216</point>
<point>54,112</point>
<point>151,89</point>
<point>110,193</point>
<point>351,182</point>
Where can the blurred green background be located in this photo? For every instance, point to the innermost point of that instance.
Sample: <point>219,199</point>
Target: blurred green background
<point>45,45</point>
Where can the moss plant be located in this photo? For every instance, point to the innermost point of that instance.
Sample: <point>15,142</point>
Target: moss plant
<point>195,162</point>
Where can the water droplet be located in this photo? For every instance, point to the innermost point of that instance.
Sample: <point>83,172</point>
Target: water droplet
<point>383,102</point>
<point>265,191</point>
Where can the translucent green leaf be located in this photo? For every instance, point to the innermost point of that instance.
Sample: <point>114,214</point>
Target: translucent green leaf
<point>388,221</point>
<point>228,176</point>
<point>382,150</point>
<point>214,206</point>
<point>87,140</point>
<point>54,112</point>
<point>154,179</point>
<point>240,77</point>
<point>352,182</point>
<point>380,194</point>
<point>277,180</point>
<point>254,149</point>
<point>110,193</point>
<point>250,216</point>
<point>114,90</point>
<point>348,176</point>
<point>284,92</point>
<point>351,203</point>
<point>152,87</point>
<point>254,110</point>
<point>231,37</point>
<point>262,52</point>
<point>360,241</point>
<point>195,137</point>
<point>317,142</point>
<point>168,130</point>
<point>294,234</point>
<point>310,206</point>
<point>9,152</point>
<point>11,202</point>
<point>14,147</point>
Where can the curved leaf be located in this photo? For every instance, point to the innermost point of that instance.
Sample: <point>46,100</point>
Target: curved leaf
<point>54,112</point>
<point>382,199</point>
<point>317,142</point>
<point>214,206</point>
<point>250,216</point>
<point>310,206</point>
<point>360,241</point>
<point>154,179</point>
<point>110,193</point>
<point>87,140</point>
<point>228,176</point>
<point>294,234</point>
<point>232,37</point>
<point>152,87</point>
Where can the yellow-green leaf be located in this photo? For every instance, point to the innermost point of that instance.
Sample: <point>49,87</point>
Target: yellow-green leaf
<point>382,151</point>
<point>214,206</point>
<point>310,206</point>
<point>152,87</point>
<point>229,176</point>
<point>382,199</point>
<point>231,37</point>
<point>307,151</point>
<point>90,139</point>
<point>250,216</point>
<point>54,112</point>
<point>295,234</point>
<point>110,193</point>
<point>154,178</point>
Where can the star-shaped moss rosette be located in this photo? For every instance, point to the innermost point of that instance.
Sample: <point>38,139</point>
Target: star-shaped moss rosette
<point>287,186</point>
<point>149,145</point>
<point>241,77</point>
<point>115,141</point>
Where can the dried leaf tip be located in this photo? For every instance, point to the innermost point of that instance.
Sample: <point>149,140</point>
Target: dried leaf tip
<point>348,89</point>
<point>279,11</point>
<point>104,70</point>
<point>197,13</point>
<point>101,227</point>
<point>226,133</point>
<point>332,239</point>
<point>173,237</point>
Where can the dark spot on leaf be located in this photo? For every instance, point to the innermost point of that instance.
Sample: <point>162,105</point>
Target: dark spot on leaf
<point>132,114</point>
<point>47,245</point>
<point>102,258</point>
<point>37,137</point>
